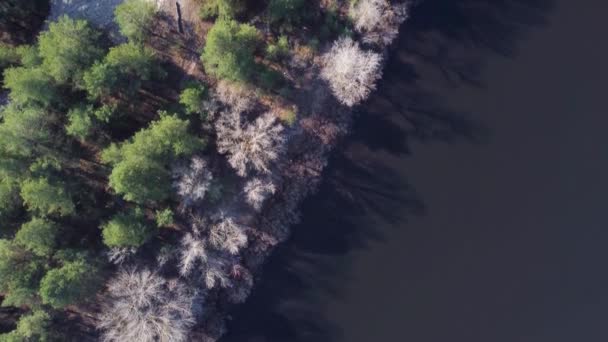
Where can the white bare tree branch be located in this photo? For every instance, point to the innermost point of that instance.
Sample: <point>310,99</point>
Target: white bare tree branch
<point>144,307</point>
<point>192,181</point>
<point>253,146</point>
<point>257,191</point>
<point>227,235</point>
<point>350,71</point>
<point>377,20</point>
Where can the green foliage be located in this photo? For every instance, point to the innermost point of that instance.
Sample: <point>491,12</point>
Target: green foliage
<point>164,217</point>
<point>278,50</point>
<point>209,10</point>
<point>24,131</point>
<point>38,236</point>
<point>29,56</point>
<point>68,48</point>
<point>68,284</point>
<point>140,170</point>
<point>288,12</point>
<point>163,140</point>
<point>134,18</point>
<point>100,80</point>
<point>41,196</point>
<point>229,50</point>
<point>105,112</point>
<point>30,86</point>
<point>9,198</point>
<point>127,229</point>
<point>20,273</point>
<point>192,98</point>
<point>141,179</point>
<point>8,56</point>
<point>230,8</point>
<point>31,327</point>
<point>80,123</point>
<point>122,71</point>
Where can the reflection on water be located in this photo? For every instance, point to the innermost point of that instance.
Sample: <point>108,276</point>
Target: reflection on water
<point>364,196</point>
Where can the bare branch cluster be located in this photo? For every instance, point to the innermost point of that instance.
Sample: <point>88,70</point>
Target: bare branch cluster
<point>192,181</point>
<point>252,146</point>
<point>378,20</point>
<point>144,307</point>
<point>257,191</point>
<point>350,71</point>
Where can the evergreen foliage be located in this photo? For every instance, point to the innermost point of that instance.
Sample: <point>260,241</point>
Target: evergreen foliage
<point>229,51</point>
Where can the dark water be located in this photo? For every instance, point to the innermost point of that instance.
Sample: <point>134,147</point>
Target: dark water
<point>471,202</point>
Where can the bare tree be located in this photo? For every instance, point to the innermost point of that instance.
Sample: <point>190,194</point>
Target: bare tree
<point>257,191</point>
<point>378,20</point>
<point>350,71</point>
<point>118,255</point>
<point>253,146</point>
<point>193,181</point>
<point>227,235</point>
<point>144,307</point>
<point>210,265</point>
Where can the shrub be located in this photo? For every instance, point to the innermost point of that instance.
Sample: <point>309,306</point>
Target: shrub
<point>192,98</point>
<point>164,217</point>
<point>279,50</point>
<point>80,123</point>
<point>31,327</point>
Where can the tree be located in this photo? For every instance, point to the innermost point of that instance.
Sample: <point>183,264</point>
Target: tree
<point>80,123</point>
<point>192,98</point>
<point>69,284</point>
<point>144,307</point>
<point>31,327</point>
<point>213,266</point>
<point>257,191</point>
<point>350,71</point>
<point>38,236</point>
<point>378,20</point>
<point>30,86</point>
<point>251,147</point>
<point>20,273</point>
<point>123,70</point>
<point>135,18</point>
<point>68,48</point>
<point>140,169</point>
<point>287,11</point>
<point>127,229</point>
<point>48,199</point>
<point>192,181</point>
<point>8,56</point>
<point>141,179</point>
<point>164,217</point>
<point>25,131</point>
<point>229,50</point>
<point>227,235</point>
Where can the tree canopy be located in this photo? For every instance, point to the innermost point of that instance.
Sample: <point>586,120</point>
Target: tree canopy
<point>229,51</point>
<point>68,48</point>
<point>134,18</point>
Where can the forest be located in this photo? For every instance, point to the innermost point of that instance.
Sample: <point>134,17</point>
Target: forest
<point>148,169</point>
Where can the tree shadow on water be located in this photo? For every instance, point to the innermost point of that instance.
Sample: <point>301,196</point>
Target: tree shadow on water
<point>363,192</point>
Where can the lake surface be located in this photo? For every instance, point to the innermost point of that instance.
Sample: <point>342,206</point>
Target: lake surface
<point>470,203</point>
